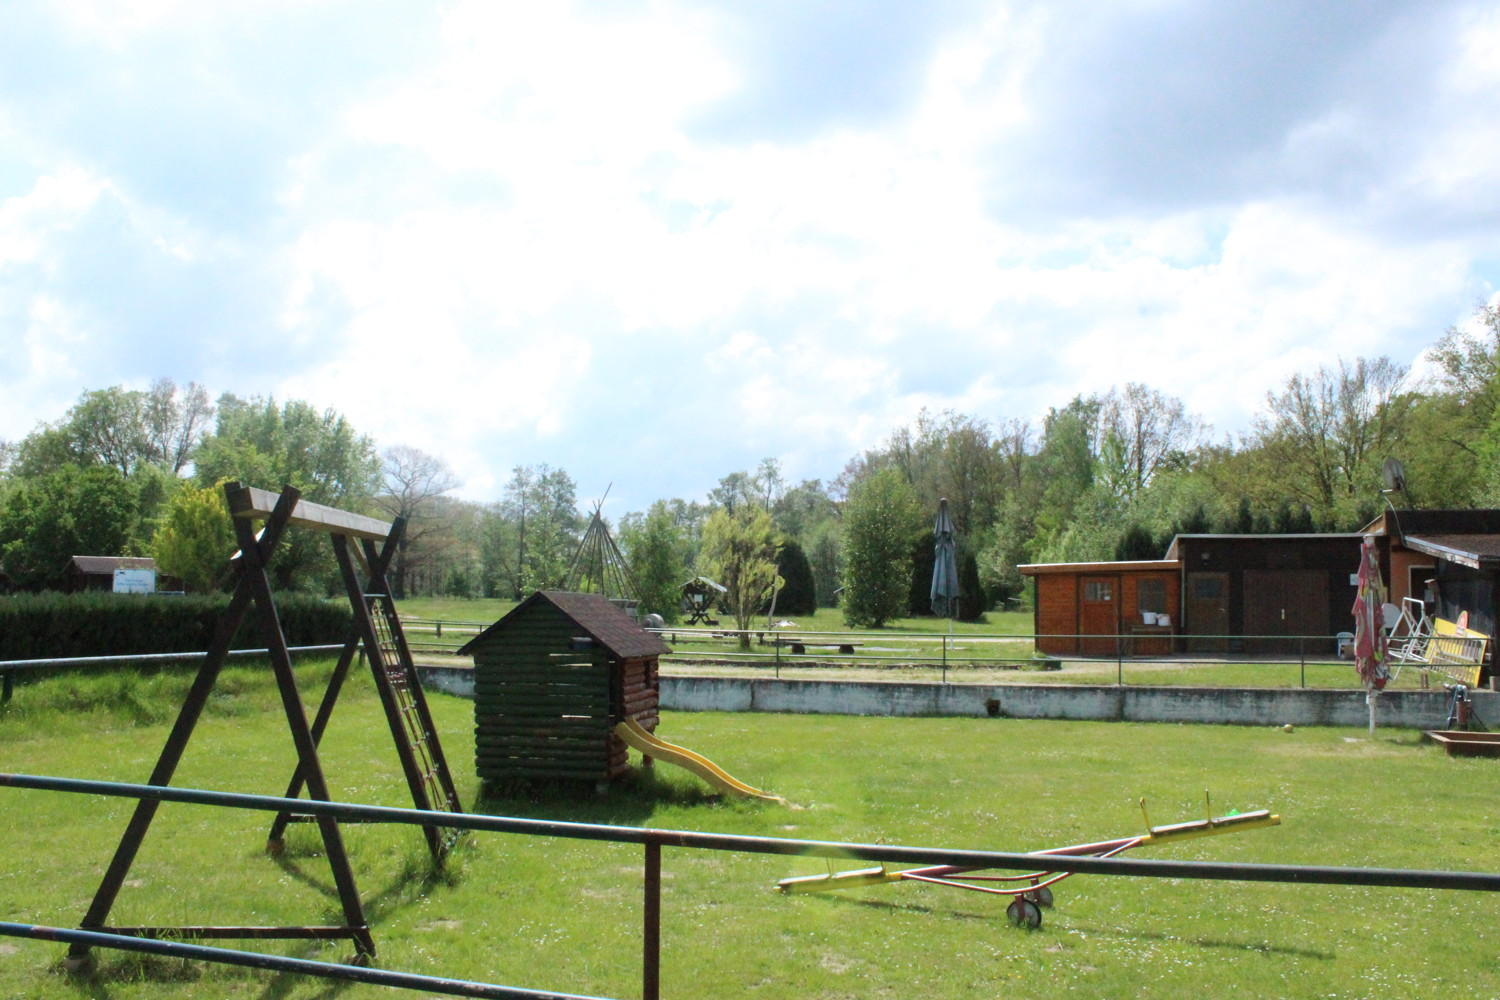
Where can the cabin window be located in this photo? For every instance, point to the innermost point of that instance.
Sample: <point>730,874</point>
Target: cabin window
<point>1208,588</point>
<point>1098,590</point>
<point>1152,596</point>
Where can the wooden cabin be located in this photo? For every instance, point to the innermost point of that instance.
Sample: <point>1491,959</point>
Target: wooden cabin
<point>551,681</point>
<point>1099,609</point>
<point>1261,593</point>
<point>93,573</point>
<point>1220,594</point>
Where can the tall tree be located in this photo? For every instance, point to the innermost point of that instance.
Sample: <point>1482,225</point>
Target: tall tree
<point>261,442</point>
<point>413,481</point>
<point>1140,430</point>
<point>541,504</point>
<point>881,519</point>
<point>654,547</point>
<point>174,424</point>
<point>1445,449</point>
<point>739,553</point>
<point>1324,436</point>
<point>68,512</point>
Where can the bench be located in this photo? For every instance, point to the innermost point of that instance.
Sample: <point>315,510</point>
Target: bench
<point>799,646</point>
<point>1450,649</point>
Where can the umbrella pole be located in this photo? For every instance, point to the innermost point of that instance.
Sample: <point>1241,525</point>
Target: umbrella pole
<point>1370,697</point>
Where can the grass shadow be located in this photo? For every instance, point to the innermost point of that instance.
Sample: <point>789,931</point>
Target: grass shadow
<point>627,802</point>
<point>1125,934</point>
<point>901,907</point>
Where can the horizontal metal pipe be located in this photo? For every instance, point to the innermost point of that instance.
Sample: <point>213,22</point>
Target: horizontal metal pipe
<point>96,661</point>
<point>1216,871</point>
<point>281,963</point>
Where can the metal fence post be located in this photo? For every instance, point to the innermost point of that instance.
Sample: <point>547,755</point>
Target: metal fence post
<point>1302,655</point>
<point>651,929</point>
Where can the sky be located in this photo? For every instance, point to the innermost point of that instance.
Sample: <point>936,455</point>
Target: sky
<point>652,243</point>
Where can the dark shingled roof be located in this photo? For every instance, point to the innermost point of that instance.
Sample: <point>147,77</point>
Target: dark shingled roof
<point>596,617</point>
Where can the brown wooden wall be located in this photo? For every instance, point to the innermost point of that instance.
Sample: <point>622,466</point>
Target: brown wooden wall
<point>1278,588</point>
<point>1058,618</point>
<point>545,710</point>
<point>1057,613</point>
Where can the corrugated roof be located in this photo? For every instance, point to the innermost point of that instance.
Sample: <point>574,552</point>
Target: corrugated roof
<point>596,617</point>
<point>93,565</point>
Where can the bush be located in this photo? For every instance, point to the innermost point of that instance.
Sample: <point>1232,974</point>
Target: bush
<point>798,594</point>
<point>56,626</point>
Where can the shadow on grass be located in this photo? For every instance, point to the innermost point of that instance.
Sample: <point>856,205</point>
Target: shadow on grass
<point>902,907</point>
<point>627,802</point>
<point>1249,947</point>
<point>1117,933</point>
<point>125,968</point>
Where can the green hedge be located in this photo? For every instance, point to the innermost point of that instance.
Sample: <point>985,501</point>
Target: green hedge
<point>51,626</point>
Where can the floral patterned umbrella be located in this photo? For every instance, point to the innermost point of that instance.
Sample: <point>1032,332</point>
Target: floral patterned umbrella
<point>1369,627</point>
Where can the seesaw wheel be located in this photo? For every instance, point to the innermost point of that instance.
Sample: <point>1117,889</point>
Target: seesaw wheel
<point>1041,896</point>
<point>1024,913</point>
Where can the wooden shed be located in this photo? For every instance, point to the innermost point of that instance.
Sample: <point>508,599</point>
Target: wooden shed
<point>1221,594</point>
<point>551,681</point>
<point>1264,593</point>
<point>1084,609</point>
<point>98,572</point>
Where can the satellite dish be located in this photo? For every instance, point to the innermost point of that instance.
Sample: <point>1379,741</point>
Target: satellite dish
<point>1394,474</point>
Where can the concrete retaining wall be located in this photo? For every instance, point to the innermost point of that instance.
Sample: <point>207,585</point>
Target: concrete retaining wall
<point>1225,706</point>
<point>1105,703</point>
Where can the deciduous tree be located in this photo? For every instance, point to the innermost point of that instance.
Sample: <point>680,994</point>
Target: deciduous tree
<point>195,539</point>
<point>881,519</point>
<point>413,481</point>
<point>739,553</point>
<point>654,547</point>
<point>69,512</point>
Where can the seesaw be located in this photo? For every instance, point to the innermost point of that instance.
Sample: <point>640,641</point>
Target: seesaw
<point>1031,891</point>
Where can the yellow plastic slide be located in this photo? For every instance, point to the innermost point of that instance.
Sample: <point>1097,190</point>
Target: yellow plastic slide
<point>634,735</point>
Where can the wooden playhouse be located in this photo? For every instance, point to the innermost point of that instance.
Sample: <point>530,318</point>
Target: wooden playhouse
<point>552,680</point>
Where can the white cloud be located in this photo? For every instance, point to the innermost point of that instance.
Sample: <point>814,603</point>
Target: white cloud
<point>653,245</point>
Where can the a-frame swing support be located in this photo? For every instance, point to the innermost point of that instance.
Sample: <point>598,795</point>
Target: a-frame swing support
<point>395,678</point>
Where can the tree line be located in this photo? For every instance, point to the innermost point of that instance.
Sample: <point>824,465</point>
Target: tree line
<point>1105,476</point>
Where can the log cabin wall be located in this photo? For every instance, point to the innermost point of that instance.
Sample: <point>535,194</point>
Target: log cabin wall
<point>552,679</point>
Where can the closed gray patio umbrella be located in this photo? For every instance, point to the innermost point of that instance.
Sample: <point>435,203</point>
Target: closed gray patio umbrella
<point>944,566</point>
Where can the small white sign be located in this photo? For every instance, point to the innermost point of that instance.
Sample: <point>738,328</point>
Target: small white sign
<point>135,581</point>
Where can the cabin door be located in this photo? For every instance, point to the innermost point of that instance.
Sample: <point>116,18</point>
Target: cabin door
<point>1207,609</point>
<point>1285,602</point>
<point>1098,615</point>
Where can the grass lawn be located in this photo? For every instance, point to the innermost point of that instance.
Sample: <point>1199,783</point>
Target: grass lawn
<point>564,915</point>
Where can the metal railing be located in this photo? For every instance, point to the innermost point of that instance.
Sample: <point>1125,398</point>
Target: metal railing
<point>653,841</point>
<point>434,635</point>
<point>966,650</point>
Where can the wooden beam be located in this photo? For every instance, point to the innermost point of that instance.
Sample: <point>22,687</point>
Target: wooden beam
<point>247,501</point>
